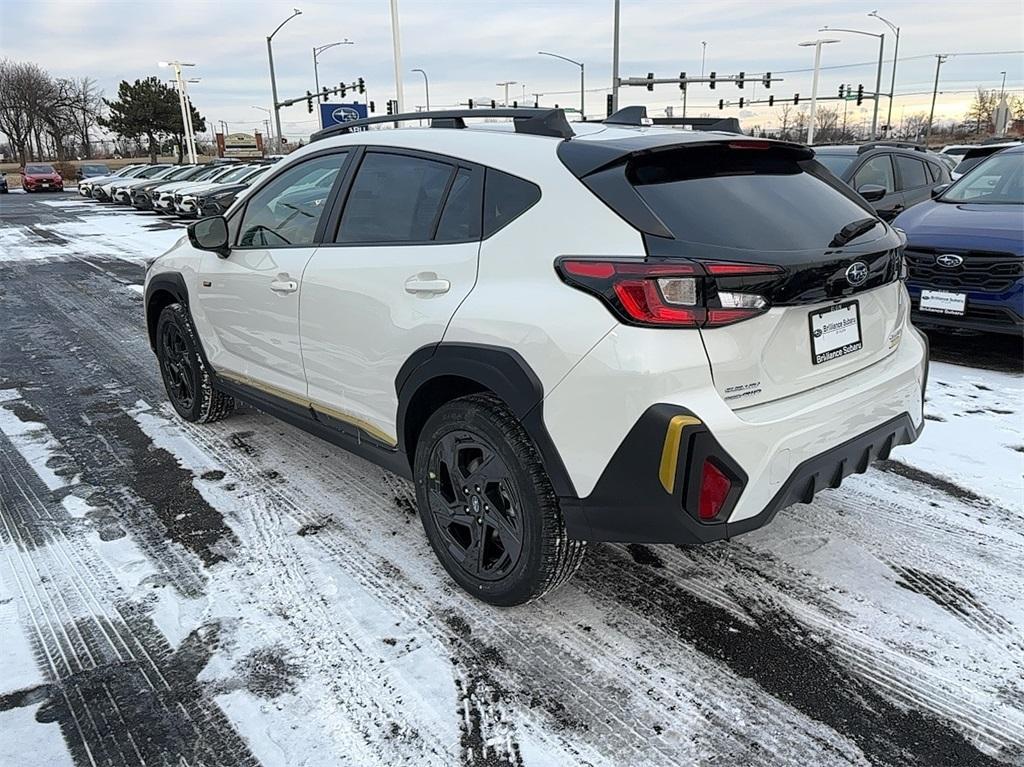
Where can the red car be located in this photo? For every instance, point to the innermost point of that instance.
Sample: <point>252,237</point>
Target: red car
<point>41,177</point>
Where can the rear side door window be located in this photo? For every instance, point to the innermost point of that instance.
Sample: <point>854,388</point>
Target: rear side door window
<point>877,171</point>
<point>286,211</point>
<point>913,174</point>
<point>395,198</point>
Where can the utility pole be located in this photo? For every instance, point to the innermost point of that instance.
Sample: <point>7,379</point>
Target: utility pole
<point>273,79</point>
<point>615,59</point>
<point>814,83</point>
<point>939,59</point>
<point>396,42</point>
<point>895,60</point>
<point>270,133</point>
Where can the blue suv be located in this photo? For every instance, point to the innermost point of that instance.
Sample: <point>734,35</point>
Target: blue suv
<point>965,249</point>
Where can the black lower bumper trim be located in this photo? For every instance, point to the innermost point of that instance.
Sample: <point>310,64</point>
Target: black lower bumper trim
<point>628,504</point>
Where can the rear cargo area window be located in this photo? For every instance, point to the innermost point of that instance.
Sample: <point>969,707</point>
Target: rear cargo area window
<point>743,198</point>
<point>506,198</point>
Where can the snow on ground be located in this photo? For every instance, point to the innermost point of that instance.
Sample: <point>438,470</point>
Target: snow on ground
<point>242,593</point>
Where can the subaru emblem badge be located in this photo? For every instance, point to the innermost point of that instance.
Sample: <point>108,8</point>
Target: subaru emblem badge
<point>857,273</point>
<point>949,260</point>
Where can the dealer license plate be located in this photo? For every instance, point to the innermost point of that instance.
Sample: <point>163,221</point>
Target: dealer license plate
<point>835,332</point>
<point>942,302</point>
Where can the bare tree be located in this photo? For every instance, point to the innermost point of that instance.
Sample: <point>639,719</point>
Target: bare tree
<point>785,115</point>
<point>982,109</point>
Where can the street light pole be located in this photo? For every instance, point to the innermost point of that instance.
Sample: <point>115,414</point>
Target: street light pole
<point>1002,87</point>
<point>878,73</point>
<point>396,41</point>
<point>186,110</point>
<point>506,84</point>
<point>317,50</point>
<point>814,83</point>
<point>583,115</point>
<point>615,59</point>
<point>939,59</point>
<point>270,133</point>
<point>273,79</point>
<point>895,60</point>
<point>703,55</point>
<point>426,85</point>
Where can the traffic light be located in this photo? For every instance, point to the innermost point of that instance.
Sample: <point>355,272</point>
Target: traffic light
<point>721,104</point>
<point>860,94</point>
<point>494,104</point>
<point>390,102</point>
<point>309,101</point>
<point>741,102</point>
<point>711,84</point>
<point>841,89</point>
<point>739,80</point>
<point>766,81</point>
<point>515,105</point>
<point>771,101</point>
<point>373,107</point>
<point>341,87</point>
<point>361,85</point>
<point>326,93</point>
<point>682,81</point>
<point>796,99</point>
<point>650,77</point>
<point>608,105</point>
<point>471,103</point>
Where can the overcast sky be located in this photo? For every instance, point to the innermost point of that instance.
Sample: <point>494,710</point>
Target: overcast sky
<point>466,46</point>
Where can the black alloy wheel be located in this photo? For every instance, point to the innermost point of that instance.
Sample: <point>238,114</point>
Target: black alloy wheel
<point>179,378</point>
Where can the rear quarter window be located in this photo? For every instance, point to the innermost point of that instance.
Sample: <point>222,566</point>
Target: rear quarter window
<point>506,197</point>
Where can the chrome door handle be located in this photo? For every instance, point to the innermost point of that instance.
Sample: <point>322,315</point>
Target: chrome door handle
<point>284,286</point>
<point>427,283</point>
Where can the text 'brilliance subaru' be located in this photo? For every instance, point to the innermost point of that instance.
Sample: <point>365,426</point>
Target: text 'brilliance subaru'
<point>561,334</point>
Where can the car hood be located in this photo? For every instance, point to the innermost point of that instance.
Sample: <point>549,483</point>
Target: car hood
<point>43,177</point>
<point>197,187</point>
<point>963,225</point>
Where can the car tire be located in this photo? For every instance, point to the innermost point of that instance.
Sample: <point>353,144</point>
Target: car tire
<point>487,505</point>
<point>185,375</point>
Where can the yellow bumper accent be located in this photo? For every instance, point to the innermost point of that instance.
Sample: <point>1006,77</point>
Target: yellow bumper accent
<point>670,451</point>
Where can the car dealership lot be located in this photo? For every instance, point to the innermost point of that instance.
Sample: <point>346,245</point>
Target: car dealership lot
<point>243,593</point>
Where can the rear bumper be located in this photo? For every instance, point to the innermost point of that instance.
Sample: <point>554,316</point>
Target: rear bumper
<point>777,453</point>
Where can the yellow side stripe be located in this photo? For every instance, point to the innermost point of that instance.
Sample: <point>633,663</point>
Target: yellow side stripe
<point>340,415</point>
<point>670,451</point>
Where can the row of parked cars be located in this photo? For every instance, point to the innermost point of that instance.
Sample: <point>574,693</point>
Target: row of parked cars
<point>962,211</point>
<point>190,191</point>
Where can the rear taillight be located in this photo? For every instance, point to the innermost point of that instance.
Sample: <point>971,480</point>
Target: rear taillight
<point>714,489</point>
<point>680,293</point>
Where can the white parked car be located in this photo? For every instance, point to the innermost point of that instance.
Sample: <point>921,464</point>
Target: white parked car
<point>163,201</point>
<point>185,198</point>
<point>118,189</point>
<point>560,333</point>
<point>128,171</point>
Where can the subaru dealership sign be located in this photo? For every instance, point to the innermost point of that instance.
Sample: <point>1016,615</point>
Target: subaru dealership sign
<point>336,114</point>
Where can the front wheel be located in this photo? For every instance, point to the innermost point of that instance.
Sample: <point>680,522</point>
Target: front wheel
<point>487,504</point>
<point>186,378</point>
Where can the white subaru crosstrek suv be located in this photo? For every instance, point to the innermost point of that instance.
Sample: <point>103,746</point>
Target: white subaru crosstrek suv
<point>561,334</point>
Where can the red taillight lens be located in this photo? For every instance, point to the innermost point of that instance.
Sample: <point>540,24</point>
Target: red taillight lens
<point>668,294</point>
<point>714,489</point>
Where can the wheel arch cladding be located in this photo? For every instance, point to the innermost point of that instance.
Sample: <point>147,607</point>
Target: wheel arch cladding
<point>163,289</point>
<point>439,373</point>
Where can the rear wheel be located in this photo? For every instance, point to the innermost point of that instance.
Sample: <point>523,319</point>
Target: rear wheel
<point>186,379</point>
<point>487,505</point>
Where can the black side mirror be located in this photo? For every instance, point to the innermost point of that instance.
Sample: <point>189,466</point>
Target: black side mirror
<point>210,234</point>
<point>872,192</point>
<point>938,190</point>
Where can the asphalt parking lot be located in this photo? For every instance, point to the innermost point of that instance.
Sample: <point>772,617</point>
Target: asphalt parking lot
<point>242,593</point>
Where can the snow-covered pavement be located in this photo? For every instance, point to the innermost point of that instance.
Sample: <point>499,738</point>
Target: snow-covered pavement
<point>242,593</point>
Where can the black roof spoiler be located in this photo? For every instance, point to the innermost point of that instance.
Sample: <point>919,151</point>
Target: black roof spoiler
<point>534,122</point>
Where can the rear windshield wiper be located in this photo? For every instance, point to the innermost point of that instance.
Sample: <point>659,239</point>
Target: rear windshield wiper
<point>852,231</point>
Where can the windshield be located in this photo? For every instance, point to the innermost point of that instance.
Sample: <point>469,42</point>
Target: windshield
<point>155,171</point>
<point>95,169</point>
<point>252,175</point>
<point>749,199</point>
<point>179,173</point>
<point>957,150</point>
<point>138,170</point>
<point>837,163</point>
<point>39,169</point>
<point>997,180</point>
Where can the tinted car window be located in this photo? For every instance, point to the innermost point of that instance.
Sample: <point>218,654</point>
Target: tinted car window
<point>746,199</point>
<point>997,180</point>
<point>912,172</point>
<point>460,219</point>
<point>505,199</point>
<point>877,170</point>
<point>394,198</point>
<point>286,211</point>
